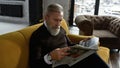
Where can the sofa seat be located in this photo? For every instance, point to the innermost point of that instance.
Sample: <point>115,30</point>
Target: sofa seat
<point>107,38</point>
<point>14,47</point>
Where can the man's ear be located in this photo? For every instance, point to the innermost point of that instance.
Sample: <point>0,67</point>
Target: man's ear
<point>46,17</point>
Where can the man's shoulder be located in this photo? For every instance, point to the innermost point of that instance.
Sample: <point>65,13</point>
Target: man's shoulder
<point>38,31</point>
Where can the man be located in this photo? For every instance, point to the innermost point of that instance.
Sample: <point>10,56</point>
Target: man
<point>49,42</point>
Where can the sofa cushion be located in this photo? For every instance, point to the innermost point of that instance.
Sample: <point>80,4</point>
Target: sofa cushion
<point>104,33</point>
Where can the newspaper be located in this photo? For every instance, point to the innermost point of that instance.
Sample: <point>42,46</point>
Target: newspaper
<point>83,50</point>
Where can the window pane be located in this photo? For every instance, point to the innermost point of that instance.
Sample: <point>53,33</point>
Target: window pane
<point>84,7</point>
<point>109,7</point>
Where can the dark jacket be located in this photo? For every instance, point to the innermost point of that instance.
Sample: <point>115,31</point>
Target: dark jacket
<point>42,42</point>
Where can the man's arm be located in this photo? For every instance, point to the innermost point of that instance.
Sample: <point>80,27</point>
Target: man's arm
<point>69,42</point>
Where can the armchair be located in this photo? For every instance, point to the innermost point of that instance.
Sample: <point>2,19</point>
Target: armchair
<point>14,47</point>
<point>107,28</point>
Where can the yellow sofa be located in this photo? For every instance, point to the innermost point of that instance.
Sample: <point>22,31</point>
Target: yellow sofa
<point>14,47</point>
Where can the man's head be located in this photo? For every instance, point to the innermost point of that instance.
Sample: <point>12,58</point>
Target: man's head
<point>53,18</point>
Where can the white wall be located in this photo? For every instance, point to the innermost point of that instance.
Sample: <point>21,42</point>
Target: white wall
<point>24,19</point>
<point>64,3</point>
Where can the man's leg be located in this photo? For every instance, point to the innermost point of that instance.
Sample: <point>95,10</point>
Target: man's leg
<point>93,61</point>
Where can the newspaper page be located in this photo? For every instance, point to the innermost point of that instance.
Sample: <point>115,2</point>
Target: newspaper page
<point>90,46</point>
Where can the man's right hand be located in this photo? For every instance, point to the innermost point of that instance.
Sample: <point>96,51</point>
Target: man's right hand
<point>59,53</point>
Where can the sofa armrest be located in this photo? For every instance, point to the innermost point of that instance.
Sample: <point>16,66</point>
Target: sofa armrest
<point>103,52</point>
<point>76,38</point>
<point>114,27</point>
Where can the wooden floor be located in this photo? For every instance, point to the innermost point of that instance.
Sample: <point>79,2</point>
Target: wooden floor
<point>115,59</point>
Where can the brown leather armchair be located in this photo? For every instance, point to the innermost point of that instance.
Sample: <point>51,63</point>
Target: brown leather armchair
<point>107,28</point>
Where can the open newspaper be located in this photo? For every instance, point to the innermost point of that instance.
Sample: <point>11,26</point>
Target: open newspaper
<point>84,49</point>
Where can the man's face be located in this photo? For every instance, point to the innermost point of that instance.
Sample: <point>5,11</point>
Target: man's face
<point>53,21</point>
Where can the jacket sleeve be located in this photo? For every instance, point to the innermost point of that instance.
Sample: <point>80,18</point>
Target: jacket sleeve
<point>36,60</point>
<point>69,42</point>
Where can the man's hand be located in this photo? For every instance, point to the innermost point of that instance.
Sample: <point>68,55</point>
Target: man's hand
<point>59,53</point>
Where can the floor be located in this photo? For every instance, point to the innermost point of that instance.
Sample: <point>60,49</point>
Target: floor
<point>115,59</point>
<point>74,30</point>
<point>6,27</point>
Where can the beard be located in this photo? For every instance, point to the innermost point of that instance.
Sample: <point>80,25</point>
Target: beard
<point>54,31</point>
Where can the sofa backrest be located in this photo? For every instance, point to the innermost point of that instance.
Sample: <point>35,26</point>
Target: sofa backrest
<point>100,22</point>
<point>13,51</point>
<point>114,26</point>
<point>27,32</point>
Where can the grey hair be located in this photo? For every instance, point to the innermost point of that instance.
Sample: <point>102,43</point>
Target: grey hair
<point>54,8</point>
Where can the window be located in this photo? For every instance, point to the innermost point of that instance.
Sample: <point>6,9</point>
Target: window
<point>96,7</point>
<point>84,7</point>
<point>109,7</point>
